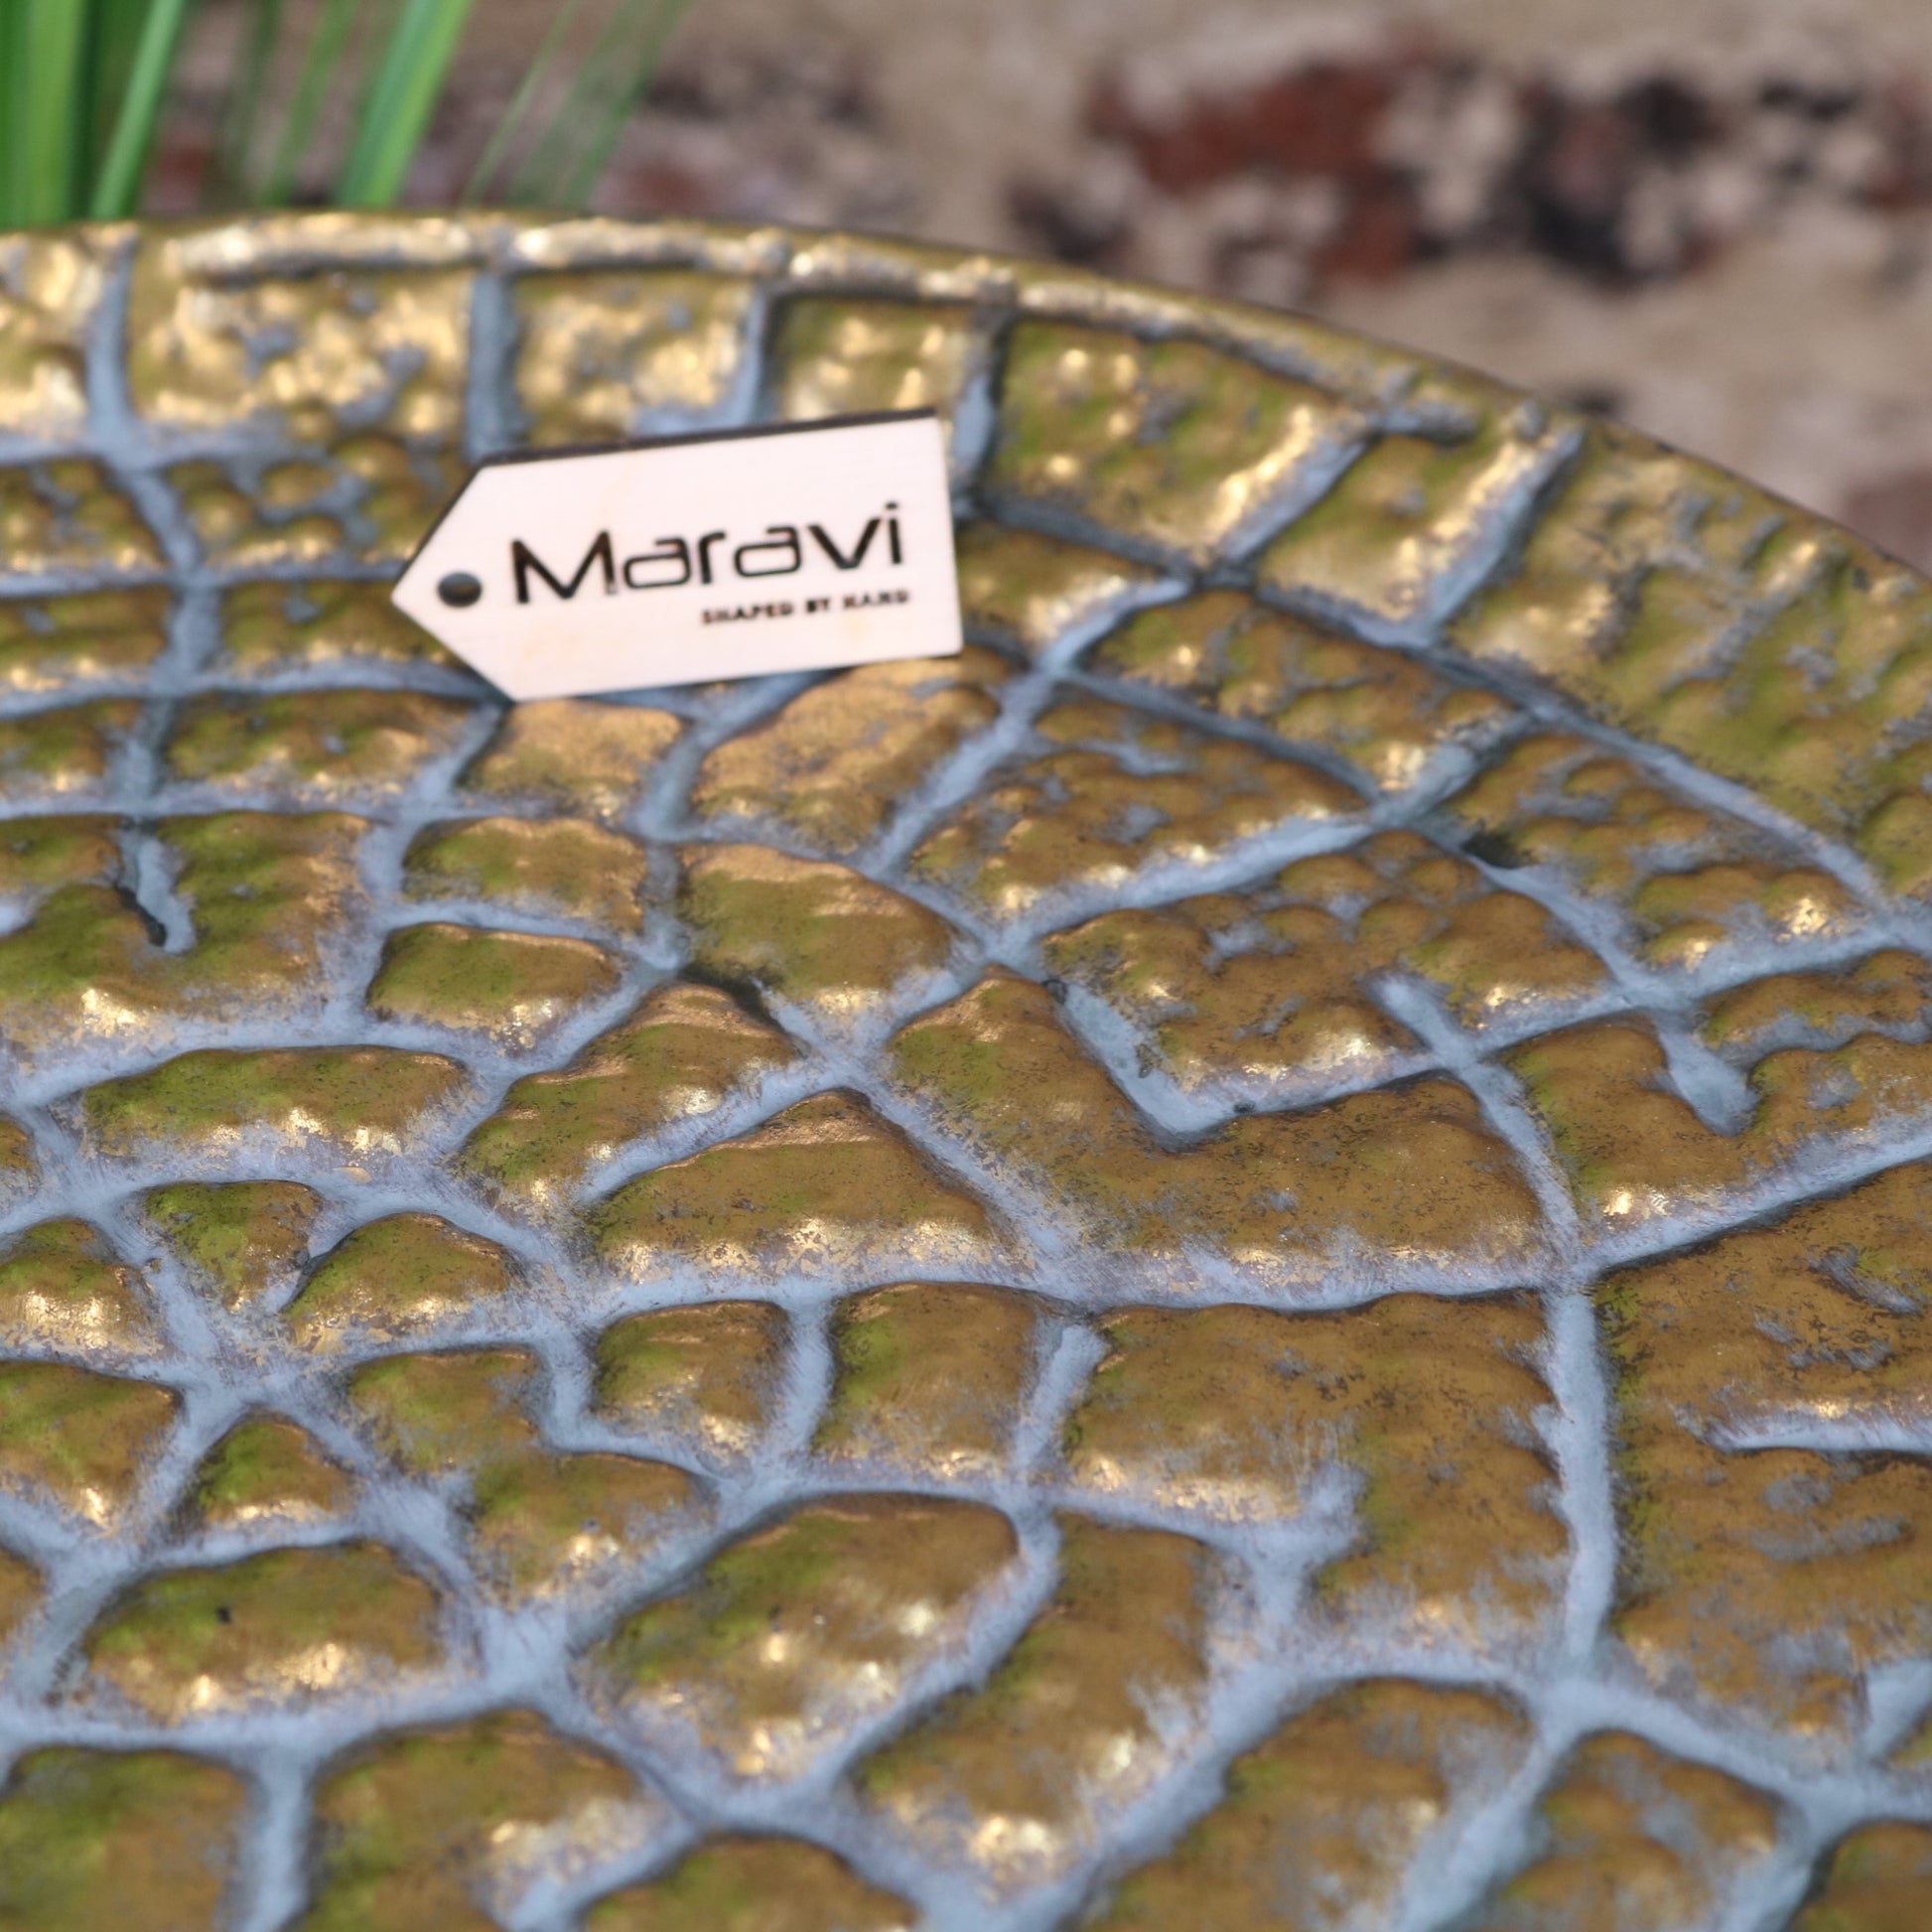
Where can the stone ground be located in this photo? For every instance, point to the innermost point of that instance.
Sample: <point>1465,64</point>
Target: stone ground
<point>1710,219</point>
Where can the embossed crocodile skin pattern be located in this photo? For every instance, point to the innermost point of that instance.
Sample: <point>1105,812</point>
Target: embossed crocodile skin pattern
<point>1255,1258</point>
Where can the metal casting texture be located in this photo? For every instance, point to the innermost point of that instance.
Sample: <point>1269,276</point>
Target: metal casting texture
<point>1255,1258</point>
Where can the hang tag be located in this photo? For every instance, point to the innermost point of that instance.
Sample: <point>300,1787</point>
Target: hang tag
<point>800,548</point>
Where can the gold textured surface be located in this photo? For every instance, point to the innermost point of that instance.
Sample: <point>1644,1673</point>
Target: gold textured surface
<point>1321,1820</point>
<point>1254,1259</point>
<point>50,289</point>
<point>282,1626</point>
<point>264,1473</point>
<point>837,356</point>
<point>751,1884</point>
<point>710,1376</point>
<point>1241,1414</point>
<point>1097,1700</point>
<point>538,1522</point>
<point>829,1187</point>
<point>60,644</point>
<point>1394,721</point>
<point>554,867</point>
<point>65,515</point>
<point>833,767</point>
<point>790,1640</point>
<point>593,759</point>
<point>237,1240</point>
<point>395,1277</point>
<point>1638,1838</point>
<point>929,1377</point>
<point>136,1839</point>
<point>622,353</point>
<point>515,988</point>
<point>681,1055</point>
<point>1270,993</point>
<point>1039,595</point>
<point>1169,446</point>
<point>436,1826</point>
<point>1406,1178</point>
<point>1110,795</point>
<point>1877,1880</point>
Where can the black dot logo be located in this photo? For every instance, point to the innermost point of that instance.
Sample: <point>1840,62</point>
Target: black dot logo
<point>458,590</point>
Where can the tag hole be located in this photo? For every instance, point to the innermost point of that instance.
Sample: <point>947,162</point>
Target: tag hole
<point>458,590</point>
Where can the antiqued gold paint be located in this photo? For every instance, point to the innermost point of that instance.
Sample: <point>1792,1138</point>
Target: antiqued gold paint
<point>1326,1121</point>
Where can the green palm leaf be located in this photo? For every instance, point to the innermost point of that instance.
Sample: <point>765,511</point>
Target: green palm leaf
<point>117,185</point>
<point>397,107</point>
<point>84,84</point>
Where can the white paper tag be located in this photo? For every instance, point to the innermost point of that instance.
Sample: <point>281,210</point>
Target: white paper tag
<point>807,547</point>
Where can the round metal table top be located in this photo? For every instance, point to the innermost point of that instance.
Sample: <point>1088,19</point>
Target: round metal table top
<point>1253,1257</point>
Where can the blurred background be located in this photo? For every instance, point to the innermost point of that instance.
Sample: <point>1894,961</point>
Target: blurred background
<point>1710,217</point>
